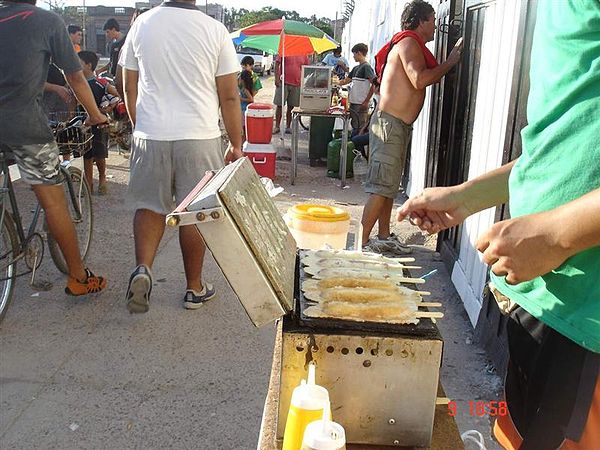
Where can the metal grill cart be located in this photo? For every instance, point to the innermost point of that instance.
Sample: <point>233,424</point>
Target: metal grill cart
<point>382,378</point>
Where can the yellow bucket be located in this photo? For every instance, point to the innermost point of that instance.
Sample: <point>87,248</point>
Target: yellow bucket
<point>315,226</point>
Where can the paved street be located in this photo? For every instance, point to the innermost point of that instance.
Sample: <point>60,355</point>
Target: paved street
<point>85,374</point>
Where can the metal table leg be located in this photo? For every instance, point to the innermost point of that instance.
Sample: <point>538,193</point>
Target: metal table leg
<point>344,151</point>
<point>294,171</point>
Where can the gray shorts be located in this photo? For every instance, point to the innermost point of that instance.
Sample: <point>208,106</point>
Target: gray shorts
<point>291,96</point>
<point>38,163</point>
<point>389,138</point>
<point>164,172</point>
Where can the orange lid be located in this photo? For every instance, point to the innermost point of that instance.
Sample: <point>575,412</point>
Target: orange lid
<point>318,213</point>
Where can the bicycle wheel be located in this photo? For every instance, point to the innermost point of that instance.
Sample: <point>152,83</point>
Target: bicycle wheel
<point>9,248</point>
<point>83,224</point>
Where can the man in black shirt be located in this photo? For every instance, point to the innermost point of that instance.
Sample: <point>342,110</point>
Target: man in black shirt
<point>24,129</point>
<point>117,39</point>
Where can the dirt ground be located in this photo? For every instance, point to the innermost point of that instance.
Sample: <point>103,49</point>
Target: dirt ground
<point>83,373</point>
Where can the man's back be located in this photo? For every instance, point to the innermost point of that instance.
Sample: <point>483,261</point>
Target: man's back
<point>29,36</point>
<point>178,52</point>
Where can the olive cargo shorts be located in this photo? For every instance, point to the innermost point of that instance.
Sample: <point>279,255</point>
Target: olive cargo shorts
<point>389,138</point>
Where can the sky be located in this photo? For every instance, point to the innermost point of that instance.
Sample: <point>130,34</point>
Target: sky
<point>321,8</point>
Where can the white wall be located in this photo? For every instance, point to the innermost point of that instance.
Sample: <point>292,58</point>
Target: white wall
<point>489,128</point>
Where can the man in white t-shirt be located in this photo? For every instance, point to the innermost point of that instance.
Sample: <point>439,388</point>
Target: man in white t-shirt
<point>174,85</point>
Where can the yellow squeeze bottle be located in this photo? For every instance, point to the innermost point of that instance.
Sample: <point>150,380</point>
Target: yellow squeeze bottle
<point>308,402</point>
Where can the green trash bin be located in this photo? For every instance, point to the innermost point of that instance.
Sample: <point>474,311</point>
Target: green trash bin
<point>333,158</point>
<point>321,130</point>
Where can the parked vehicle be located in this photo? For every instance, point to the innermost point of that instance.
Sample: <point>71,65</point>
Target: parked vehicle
<point>263,62</point>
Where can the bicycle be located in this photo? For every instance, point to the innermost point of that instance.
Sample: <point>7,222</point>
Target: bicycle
<point>15,243</point>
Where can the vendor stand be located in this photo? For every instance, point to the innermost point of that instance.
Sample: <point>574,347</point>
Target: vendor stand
<point>382,373</point>
<point>344,116</point>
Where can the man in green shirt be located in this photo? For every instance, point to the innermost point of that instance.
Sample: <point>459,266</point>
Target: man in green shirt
<point>545,260</point>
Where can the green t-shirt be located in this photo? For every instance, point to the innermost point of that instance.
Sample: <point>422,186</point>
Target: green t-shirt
<point>561,161</point>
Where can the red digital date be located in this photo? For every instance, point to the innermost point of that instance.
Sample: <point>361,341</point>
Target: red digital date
<point>480,408</point>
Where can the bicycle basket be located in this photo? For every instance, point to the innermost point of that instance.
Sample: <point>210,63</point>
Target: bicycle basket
<point>70,133</point>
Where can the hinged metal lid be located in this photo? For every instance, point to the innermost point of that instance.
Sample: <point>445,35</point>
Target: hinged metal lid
<point>247,236</point>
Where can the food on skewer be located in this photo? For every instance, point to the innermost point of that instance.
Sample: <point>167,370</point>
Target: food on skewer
<point>312,284</point>
<point>376,312</point>
<point>355,264</point>
<point>364,295</point>
<point>354,255</point>
<point>363,273</point>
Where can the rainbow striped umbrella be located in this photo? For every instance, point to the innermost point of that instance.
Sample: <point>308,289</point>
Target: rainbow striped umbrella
<point>284,37</point>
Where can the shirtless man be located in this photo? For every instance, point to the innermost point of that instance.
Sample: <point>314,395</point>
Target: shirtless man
<point>410,68</point>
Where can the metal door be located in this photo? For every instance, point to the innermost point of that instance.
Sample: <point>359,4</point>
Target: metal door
<point>449,30</point>
<point>455,167</point>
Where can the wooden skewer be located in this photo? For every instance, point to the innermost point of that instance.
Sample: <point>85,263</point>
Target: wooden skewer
<point>401,260</point>
<point>423,292</point>
<point>407,280</point>
<point>429,315</point>
<point>429,305</point>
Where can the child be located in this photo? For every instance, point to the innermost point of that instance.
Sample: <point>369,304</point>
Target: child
<point>99,151</point>
<point>247,85</point>
<point>248,65</point>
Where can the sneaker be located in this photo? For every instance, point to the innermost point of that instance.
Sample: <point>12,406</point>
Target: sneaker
<point>276,130</point>
<point>138,292</point>
<point>102,189</point>
<point>194,300</point>
<point>288,131</point>
<point>90,285</point>
<point>389,245</point>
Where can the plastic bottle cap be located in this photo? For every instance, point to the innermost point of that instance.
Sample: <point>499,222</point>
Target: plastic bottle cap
<point>324,434</point>
<point>309,395</point>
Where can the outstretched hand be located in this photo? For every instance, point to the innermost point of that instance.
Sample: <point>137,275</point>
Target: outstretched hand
<point>233,154</point>
<point>455,54</point>
<point>435,209</point>
<point>523,248</point>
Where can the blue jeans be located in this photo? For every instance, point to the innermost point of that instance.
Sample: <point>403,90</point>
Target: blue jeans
<point>360,141</point>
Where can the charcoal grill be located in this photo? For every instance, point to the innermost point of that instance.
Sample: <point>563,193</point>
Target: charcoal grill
<point>382,378</point>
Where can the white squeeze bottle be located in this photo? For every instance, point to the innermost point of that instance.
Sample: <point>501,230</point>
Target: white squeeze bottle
<point>324,434</point>
<point>308,401</point>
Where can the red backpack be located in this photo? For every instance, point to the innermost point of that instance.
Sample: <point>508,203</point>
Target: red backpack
<point>382,54</point>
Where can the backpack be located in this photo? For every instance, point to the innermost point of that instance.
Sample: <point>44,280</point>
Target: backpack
<point>382,54</point>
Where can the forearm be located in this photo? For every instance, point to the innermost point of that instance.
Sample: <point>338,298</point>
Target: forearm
<point>232,118</point>
<point>427,77</point>
<point>579,222</point>
<point>487,190</point>
<point>112,90</point>
<point>130,90</point>
<point>83,93</point>
<point>49,87</point>
<point>119,81</point>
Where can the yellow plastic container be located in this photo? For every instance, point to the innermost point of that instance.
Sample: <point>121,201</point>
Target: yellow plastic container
<point>315,226</point>
<point>308,402</point>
